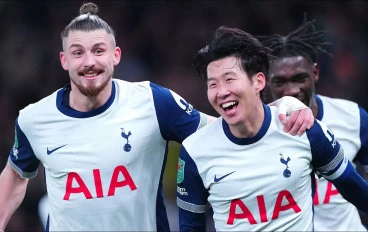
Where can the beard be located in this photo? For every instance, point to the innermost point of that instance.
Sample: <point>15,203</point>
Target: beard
<point>91,91</point>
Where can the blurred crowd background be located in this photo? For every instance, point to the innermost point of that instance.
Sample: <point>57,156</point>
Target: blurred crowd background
<point>159,40</point>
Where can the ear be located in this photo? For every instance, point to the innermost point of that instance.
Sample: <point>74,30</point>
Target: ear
<point>117,55</point>
<point>259,80</point>
<point>315,72</point>
<point>63,61</point>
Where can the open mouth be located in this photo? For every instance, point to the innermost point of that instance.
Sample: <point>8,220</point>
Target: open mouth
<point>229,106</point>
<point>91,75</point>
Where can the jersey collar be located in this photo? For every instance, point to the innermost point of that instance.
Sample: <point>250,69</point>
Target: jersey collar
<point>77,114</point>
<point>257,137</point>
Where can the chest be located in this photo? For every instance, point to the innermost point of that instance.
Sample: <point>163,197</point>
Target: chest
<point>265,168</point>
<point>71,145</point>
<point>344,121</point>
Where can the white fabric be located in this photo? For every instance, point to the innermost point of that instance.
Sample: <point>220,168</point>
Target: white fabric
<point>333,212</point>
<point>256,173</point>
<point>95,155</point>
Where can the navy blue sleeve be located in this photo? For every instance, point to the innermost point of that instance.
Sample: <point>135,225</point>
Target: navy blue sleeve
<point>191,222</point>
<point>176,117</point>
<point>353,187</point>
<point>191,195</point>
<point>327,154</point>
<point>362,155</point>
<point>329,161</point>
<point>22,157</point>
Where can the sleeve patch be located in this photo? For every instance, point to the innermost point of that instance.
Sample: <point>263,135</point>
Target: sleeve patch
<point>191,207</point>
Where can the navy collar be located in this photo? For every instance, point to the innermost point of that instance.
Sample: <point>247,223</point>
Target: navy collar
<point>62,103</point>
<point>320,107</point>
<point>257,137</point>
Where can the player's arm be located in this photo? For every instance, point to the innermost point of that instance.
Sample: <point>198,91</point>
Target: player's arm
<point>22,165</point>
<point>191,195</point>
<point>362,155</point>
<point>329,161</point>
<point>352,187</point>
<point>294,115</point>
<point>13,188</point>
<point>178,119</point>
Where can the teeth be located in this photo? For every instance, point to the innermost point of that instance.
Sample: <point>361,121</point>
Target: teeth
<point>227,104</point>
<point>90,75</point>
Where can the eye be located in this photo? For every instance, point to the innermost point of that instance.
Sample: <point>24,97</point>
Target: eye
<point>302,79</point>
<point>278,82</point>
<point>99,51</point>
<point>77,53</point>
<point>230,79</point>
<point>211,85</point>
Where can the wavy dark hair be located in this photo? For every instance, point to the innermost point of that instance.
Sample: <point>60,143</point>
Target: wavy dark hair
<point>251,54</point>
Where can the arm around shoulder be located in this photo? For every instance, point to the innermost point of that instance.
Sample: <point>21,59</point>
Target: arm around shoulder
<point>353,187</point>
<point>13,188</point>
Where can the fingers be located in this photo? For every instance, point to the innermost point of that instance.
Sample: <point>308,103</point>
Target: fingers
<point>282,118</point>
<point>311,119</point>
<point>291,123</point>
<point>299,122</point>
<point>305,123</point>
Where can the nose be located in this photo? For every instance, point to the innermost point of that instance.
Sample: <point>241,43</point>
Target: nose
<point>291,89</point>
<point>89,60</point>
<point>223,92</point>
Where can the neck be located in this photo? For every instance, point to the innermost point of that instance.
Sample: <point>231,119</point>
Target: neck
<point>314,106</point>
<point>252,123</point>
<point>83,103</point>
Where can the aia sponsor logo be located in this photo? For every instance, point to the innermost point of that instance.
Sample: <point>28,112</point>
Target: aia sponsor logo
<point>240,211</point>
<point>76,185</point>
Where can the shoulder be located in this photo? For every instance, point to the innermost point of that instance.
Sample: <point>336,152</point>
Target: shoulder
<point>134,93</point>
<point>204,135</point>
<point>38,112</point>
<point>125,86</point>
<point>130,88</point>
<point>43,106</point>
<point>338,104</point>
<point>318,132</point>
<point>278,126</point>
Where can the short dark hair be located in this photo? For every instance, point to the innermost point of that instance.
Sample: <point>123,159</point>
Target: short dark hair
<point>253,56</point>
<point>304,41</point>
<point>88,20</point>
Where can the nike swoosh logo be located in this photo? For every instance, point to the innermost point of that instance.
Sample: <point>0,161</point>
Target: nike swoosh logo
<point>51,151</point>
<point>222,177</point>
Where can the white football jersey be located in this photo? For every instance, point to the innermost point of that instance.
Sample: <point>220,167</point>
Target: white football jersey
<point>262,183</point>
<point>349,123</point>
<point>104,168</point>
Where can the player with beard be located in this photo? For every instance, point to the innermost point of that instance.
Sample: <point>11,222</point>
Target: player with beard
<point>103,141</point>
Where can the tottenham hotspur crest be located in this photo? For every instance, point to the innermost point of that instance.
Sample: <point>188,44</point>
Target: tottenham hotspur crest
<point>127,146</point>
<point>286,172</point>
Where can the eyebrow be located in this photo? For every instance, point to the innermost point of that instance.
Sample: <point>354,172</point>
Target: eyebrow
<point>223,75</point>
<point>294,77</point>
<point>76,45</point>
<point>99,44</point>
<point>94,46</point>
